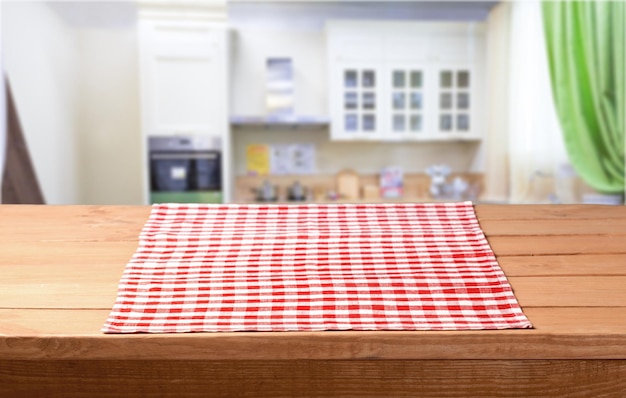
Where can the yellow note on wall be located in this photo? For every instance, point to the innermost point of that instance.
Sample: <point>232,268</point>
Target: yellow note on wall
<point>258,159</point>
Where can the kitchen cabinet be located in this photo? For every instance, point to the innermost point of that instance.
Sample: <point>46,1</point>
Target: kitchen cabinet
<point>454,102</point>
<point>183,68</point>
<point>360,113</point>
<point>405,81</point>
<point>183,65</point>
<point>406,99</point>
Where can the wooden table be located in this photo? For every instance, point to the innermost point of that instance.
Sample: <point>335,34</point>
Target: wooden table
<point>60,265</point>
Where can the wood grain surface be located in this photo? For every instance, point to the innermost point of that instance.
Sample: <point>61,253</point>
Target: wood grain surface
<point>60,265</point>
<point>436,378</point>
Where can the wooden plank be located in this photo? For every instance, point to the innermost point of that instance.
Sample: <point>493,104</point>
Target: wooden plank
<point>578,320</point>
<point>80,291</point>
<point>63,291</point>
<point>52,322</point>
<point>72,286</point>
<point>570,291</point>
<point>519,345</point>
<point>557,244</point>
<point>58,254</point>
<point>364,378</point>
<point>87,322</point>
<point>62,274</point>
<point>114,254</point>
<point>28,223</point>
<point>564,265</point>
<point>598,333</point>
<point>71,273</point>
<point>601,226</point>
<point>67,294</point>
<point>549,212</point>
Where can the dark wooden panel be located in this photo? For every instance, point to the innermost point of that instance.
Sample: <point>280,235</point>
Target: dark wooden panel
<point>19,182</point>
<point>436,378</point>
<point>553,338</point>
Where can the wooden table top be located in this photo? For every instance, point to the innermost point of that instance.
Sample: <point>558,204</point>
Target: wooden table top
<point>60,266</point>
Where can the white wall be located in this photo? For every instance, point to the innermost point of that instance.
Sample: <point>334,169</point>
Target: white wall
<point>365,157</point>
<point>3,113</point>
<point>76,91</point>
<point>109,132</point>
<point>41,61</point>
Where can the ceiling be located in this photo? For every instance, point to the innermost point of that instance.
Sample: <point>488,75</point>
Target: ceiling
<point>312,15</point>
<point>301,14</point>
<point>96,14</point>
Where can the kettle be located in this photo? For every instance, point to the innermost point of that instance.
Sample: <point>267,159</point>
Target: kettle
<point>297,192</point>
<point>266,192</point>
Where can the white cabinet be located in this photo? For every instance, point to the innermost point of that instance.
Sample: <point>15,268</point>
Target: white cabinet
<point>404,81</point>
<point>183,69</point>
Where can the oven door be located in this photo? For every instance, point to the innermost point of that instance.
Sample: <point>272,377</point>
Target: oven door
<point>206,171</point>
<point>186,177</point>
<point>169,172</point>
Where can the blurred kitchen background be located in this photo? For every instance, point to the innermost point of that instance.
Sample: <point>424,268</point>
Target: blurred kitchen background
<point>135,102</point>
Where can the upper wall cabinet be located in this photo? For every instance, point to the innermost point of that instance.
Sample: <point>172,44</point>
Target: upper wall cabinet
<point>183,77</point>
<point>405,81</point>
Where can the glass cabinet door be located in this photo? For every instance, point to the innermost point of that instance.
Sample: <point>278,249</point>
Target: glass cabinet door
<point>407,100</point>
<point>463,100</point>
<point>454,100</point>
<point>359,102</point>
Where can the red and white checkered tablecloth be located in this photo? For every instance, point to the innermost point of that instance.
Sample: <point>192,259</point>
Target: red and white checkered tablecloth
<point>219,268</point>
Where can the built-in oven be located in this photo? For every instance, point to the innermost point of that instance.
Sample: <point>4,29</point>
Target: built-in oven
<point>185,169</point>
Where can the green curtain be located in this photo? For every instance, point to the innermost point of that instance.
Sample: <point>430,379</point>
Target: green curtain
<point>585,42</point>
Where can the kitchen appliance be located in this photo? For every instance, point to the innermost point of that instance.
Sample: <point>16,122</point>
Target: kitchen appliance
<point>185,169</point>
<point>280,95</point>
<point>297,192</point>
<point>266,192</point>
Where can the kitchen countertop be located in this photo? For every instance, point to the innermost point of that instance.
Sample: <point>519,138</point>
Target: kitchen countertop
<point>60,265</point>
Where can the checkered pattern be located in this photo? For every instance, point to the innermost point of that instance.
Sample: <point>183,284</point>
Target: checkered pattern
<point>310,267</point>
